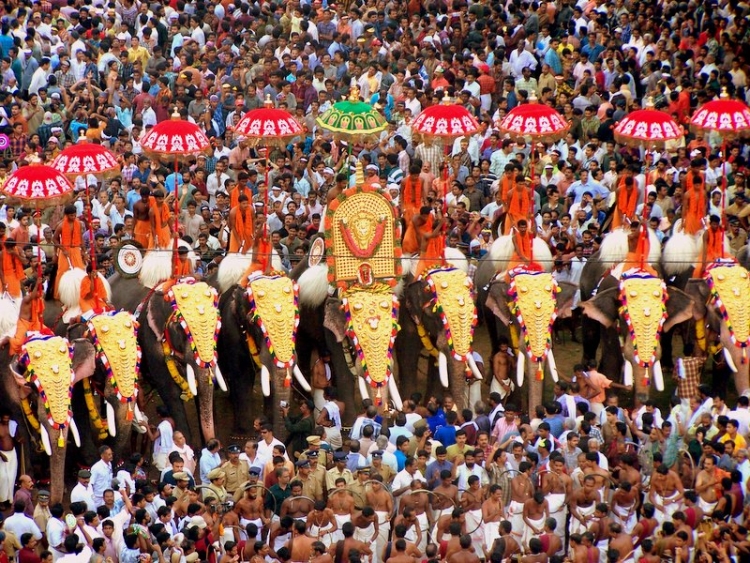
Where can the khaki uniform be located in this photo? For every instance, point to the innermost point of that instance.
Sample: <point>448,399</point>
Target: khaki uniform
<point>384,471</point>
<point>311,487</point>
<point>319,474</point>
<point>214,491</point>
<point>235,475</point>
<point>359,491</point>
<point>333,474</point>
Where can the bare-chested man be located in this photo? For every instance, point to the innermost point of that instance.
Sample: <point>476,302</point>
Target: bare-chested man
<point>666,492</point>
<point>620,541</point>
<point>341,502</point>
<point>142,230</point>
<point>453,545</point>
<point>320,553</point>
<point>321,523</point>
<point>646,525</point>
<point>578,553</point>
<point>506,545</point>
<point>340,550</point>
<point>551,541</point>
<point>366,526</point>
<point>601,476</point>
<point>400,556</point>
<point>624,504</point>
<point>465,554</point>
<point>441,532</point>
<point>557,487</point>
<point>535,512</point>
<point>471,501</point>
<point>493,512</point>
<point>382,503</point>
<point>296,506</point>
<point>536,553</point>
<point>582,505</point>
<point>300,544</point>
<point>708,485</point>
<point>409,519</point>
<point>599,526</point>
<point>444,497</point>
<point>250,510</point>
<point>418,499</point>
<point>521,490</point>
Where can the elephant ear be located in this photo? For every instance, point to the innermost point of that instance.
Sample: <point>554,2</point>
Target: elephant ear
<point>416,299</point>
<point>335,319</point>
<point>603,307</point>
<point>497,301</point>
<point>697,289</point>
<point>565,299</point>
<point>158,312</point>
<point>84,359</point>
<point>680,307</point>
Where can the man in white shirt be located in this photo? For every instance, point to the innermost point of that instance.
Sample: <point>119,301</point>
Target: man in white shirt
<point>741,414</point>
<point>162,438</point>
<point>469,468</point>
<point>403,479</point>
<point>18,523</point>
<point>265,446</point>
<point>210,459</point>
<point>521,58</point>
<point>83,492</point>
<point>101,475</point>
<point>148,115</point>
<point>56,532</point>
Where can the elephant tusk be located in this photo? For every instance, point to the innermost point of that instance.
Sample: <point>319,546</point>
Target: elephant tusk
<point>521,367</point>
<point>552,366</point>
<point>658,376</point>
<point>191,379</point>
<point>265,381</point>
<point>395,395</point>
<point>301,378</point>
<point>473,366</point>
<point>730,361</point>
<point>219,377</point>
<point>363,388</point>
<point>45,440</point>
<point>111,420</point>
<point>74,431</point>
<point>443,369</point>
<point>627,374</point>
<point>138,414</point>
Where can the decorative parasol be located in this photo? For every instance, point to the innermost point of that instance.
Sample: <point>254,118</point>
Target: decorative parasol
<point>82,159</point>
<point>38,186</point>
<point>268,125</point>
<point>177,139</point>
<point>445,120</point>
<point>647,127</point>
<point>352,120</point>
<point>535,120</point>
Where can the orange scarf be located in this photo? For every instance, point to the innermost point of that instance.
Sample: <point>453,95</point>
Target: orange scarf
<point>12,264</point>
<point>519,203</point>
<point>161,213</point>
<point>626,202</point>
<point>507,185</point>
<point>72,237</point>
<point>524,243</point>
<point>412,193</point>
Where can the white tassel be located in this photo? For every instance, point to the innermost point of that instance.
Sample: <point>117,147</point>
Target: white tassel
<point>74,431</point>
<point>191,380</point>
<point>521,368</point>
<point>473,366</point>
<point>658,376</point>
<point>219,377</point>
<point>395,395</point>
<point>552,366</point>
<point>265,381</point>
<point>111,420</point>
<point>45,440</point>
<point>627,374</point>
<point>137,414</point>
<point>301,378</point>
<point>443,369</point>
<point>730,361</point>
<point>363,388</point>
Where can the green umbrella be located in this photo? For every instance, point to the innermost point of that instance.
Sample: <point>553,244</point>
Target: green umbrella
<point>352,120</point>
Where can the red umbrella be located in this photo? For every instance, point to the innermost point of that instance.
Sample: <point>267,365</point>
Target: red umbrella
<point>83,159</point>
<point>647,127</point>
<point>37,186</point>
<point>445,120</point>
<point>269,125</point>
<point>538,121</point>
<point>729,118</point>
<point>177,139</point>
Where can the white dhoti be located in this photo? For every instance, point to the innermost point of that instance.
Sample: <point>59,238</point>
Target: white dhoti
<point>491,533</point>
<point>341,519</point>
<point>322,534</point>
<point>556,502</point>
<point>576,527</point>
<point>243,528</point>
<point>670,507</point>
<point>706,507</point>
<point>475,527</point>
<point>603,546</point>
<point>384,529</point>
<point>319,401</point>
<point>530,531</point>
<point>515,516</point>
<point>625,516</point>
<point>424,527</point>
<point>597,408</point>
<point>436,517</point>
<point>8,474</point>
<point>485,102</point>
<point>161,461</point>
<point>364,534</point>
<point>474,392</point>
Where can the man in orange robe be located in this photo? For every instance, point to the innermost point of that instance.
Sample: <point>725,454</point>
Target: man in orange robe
<point>523,241</point>
<point>638,248</point>
<point>262,250</point>
<point>239,190</point>
<point>241,222</point>
<point>158,213</point>
<point>68,239</point>
<point>29,316</point>
<point>428,231</point>
<point>93,297</point>
<point>142,227</point>
<point>693,203</point>
<point>713,245</point>
<point>627,200</point>
<point>11,272</point>
<point>518,203</point>
<point>411,194</point>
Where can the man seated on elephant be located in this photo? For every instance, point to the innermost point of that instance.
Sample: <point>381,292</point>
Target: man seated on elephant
<point>713,245</point>
<point>427,229</point>
<point>29,316</point>
<point>93,296</point>
<point>523,240</point>
<point>68,239</point>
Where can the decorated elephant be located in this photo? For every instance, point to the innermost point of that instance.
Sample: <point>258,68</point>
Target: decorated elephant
<point>722,306</point>
<point>641,307</point>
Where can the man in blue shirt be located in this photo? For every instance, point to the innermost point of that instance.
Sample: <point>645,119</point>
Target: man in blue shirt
<point>446,434</point>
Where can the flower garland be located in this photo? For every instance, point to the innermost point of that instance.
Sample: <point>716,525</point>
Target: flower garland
<point>516,310</point>
<point>25,361</point>
<point>183,323</point>
<point>426,342</point>
<point>29,414</point>
<point>353,337</point>
<point>102,356</point>
<point>444,319</point>
<point>259,321</point>
<point>186,394</point>
<point>96,419</point>
<point>637,273</point>
<point>719,304</point>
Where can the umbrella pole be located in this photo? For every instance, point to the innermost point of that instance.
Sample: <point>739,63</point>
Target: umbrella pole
<point>90,218</point>
<point>39,270</point>
<point>175,236</point>
<point>725,161</point>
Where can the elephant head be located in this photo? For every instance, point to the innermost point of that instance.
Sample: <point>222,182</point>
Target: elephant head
<point>442,306</point>
<point>114,336</point>
<point>187,324</point>
<point>528,305</point>
<point>53,366</point>
<point>644,308</point>
<point>368,316</point>
<point>722,304</point>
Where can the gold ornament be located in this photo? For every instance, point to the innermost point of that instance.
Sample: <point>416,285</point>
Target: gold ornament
<point>273,302</point>
<point>536,302</point>
<point>454,299</point>
<point>50,368</point>
<point>196,305</point>
<point>115,336</point>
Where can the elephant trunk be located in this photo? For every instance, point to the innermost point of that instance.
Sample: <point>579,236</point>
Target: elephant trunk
<point>281,390</point>
<point>204,381</point>
<point>57,455</point>
<point>536,385</point>
<point>456,374</point>
<point>741,367</point>
<point>124,428</point>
